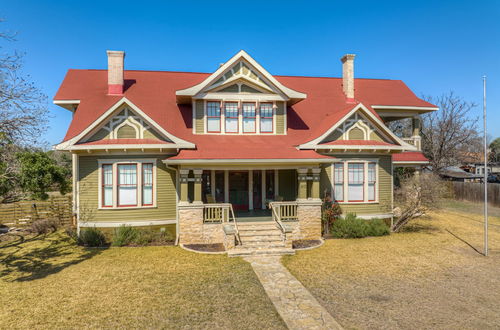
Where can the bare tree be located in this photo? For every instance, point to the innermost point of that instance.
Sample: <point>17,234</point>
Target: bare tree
<point>450,134</point>
<point>23,106</point>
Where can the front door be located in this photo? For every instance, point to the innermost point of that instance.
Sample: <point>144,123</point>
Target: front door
<point>238,190</point>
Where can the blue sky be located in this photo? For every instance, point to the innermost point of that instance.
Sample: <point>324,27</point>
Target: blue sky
<point>433,46</point>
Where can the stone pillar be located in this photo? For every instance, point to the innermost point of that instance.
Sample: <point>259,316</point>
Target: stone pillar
<point>197,186</point>
<point>183,180</point>
<point>315,183</point>
<point>115,72</point>
<point>348,76</point>
<point>309,216</point>
<point>191,224</point>
<point>415,122</point>
<point>302,178</point>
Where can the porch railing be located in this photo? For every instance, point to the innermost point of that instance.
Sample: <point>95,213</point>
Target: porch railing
<point>221,213</point>
<point>414,141</point>
<point>285,211</point>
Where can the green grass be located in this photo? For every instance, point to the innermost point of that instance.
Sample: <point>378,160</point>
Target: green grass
<point>48,282</point>
<point>430,276</point>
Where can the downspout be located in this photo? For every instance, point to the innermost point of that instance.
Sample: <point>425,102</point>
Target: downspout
<point>176,201</point>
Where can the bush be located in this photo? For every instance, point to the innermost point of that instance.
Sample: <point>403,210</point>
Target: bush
<point>353,227</point>
<point>124,235</point>
<point>44,226</point>
<point>152,236</point>
<point>92,237</point>
<point>330,212</point>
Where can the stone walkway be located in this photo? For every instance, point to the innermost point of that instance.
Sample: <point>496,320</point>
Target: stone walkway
<point>298,308</point>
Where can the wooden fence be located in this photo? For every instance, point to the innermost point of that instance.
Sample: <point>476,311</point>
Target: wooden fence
<point>474,192</point>
<point>21,214</point>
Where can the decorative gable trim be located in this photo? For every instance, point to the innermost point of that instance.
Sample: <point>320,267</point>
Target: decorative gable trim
<point>387,133</point>
<point>177,142</point>
<point>217,79</point>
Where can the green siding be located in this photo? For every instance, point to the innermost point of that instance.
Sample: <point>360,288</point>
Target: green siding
<point>333,136</point>
<point>230,89</point>
<point>152,134</point>
<point>198,117</point>
<point>88,181</point>
<point>126,132</point>
<point>356,134</point>
<point>384,185</point>
<point>280,118</point>
<point>248,89</point>
<point>100,135</point>
<point>287,184</point>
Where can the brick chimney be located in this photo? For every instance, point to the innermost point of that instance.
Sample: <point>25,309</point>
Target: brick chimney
<point>348,76</point>
<point>115,72</point>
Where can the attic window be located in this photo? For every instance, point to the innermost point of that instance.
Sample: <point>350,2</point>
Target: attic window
<point>266,118</point>
<point>213,117</point>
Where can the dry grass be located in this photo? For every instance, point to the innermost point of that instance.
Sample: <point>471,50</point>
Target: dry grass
<point>430,276</point>
<point>51,283</point>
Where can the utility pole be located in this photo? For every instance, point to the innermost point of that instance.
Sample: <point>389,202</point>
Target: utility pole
<point>485,172</point>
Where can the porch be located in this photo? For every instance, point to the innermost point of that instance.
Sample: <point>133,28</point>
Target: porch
<point>258,208</point>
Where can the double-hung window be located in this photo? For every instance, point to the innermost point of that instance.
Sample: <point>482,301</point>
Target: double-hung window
<point>249,118</point>
<point>372,180</point>
<point>356,181</point>
<point>213,117</point>
<point>127,184</point>
<point>266,118</point>
<point>338,182</point>
<point>107,185</point>
<point>231,115</point>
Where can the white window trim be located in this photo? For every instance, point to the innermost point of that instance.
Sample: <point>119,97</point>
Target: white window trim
<point>365,184</point>
<point>114,163</point>
<point>240,117</point>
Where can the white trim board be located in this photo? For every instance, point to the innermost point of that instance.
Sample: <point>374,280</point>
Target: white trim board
<point>131,223</point>
<point>404,107</point>
<point>247,161</point>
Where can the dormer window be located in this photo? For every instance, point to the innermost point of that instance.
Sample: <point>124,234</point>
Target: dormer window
<point>231,115</point>
<point>213,117</point>
<point>249,118</point>
<point>266,118</point>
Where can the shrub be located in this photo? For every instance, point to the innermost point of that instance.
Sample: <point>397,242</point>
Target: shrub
<point>92,237</point>
<point>124,235</point>
<point>152,236</point>
<point>353,227</point>
<point>378,227</point>
<point>330,212</point>
<point>44,226</point>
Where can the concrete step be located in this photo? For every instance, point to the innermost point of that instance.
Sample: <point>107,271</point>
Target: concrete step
<point>241,252</point>
<point>259,232</point>
<point>262,245</point>
<point>270,226</point>
<point>261,238</point>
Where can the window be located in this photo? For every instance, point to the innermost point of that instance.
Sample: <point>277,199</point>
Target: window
<point>372,180</point>
<point>356,182</point>
<point>249,117</point>
<point>338,182</point>
<point>231,114</point>
<point>107,185</point>
<point>266,117</point>
<point>147,184</point>
<point>127,185</point>
<point>213,116</point>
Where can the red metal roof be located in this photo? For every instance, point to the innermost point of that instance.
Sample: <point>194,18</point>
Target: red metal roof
<point>125,141</point>
<point>154,93</point>
<point>409,156</point>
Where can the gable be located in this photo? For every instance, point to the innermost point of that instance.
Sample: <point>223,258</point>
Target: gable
<point>357,127</point>
<point>125,124</point>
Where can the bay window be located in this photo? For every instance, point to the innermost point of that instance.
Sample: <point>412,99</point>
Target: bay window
<point>355,181</point>
<point>249,118</point>
<point>127,183</point>
<point>213,117</point>
<point>231,116</point>
<point>266,118</point>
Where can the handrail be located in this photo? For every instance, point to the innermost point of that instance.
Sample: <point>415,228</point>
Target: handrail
<point>276,218</point>
<point>226,215</point>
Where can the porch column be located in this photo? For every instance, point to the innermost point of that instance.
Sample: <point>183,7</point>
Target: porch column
<point>315,183</point>
<point>197,186</point>
<point>417,140</point>
<point>263,189</point>
<point>302,178</point>
<point>184,184</point>
<point>226,186</point>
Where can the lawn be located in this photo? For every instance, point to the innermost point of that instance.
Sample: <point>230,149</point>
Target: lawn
<point>48,282</point>
<point>430,276</point>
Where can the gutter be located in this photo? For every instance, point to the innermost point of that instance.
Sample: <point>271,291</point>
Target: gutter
<point>176,202</point>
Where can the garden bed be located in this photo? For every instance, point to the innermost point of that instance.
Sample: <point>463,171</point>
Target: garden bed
<point>306,244</point>
<point>218,247</point>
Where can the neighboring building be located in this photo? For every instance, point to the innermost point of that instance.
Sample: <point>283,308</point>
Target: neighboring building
<point>455,173</point>
<point>493,168</point>
<point>182,149</point>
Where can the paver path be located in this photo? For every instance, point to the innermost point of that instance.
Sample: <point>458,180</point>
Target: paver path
<point>298,308</point>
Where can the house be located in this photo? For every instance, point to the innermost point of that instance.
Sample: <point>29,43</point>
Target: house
<point>455,173</point>
<point>211,154</point>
